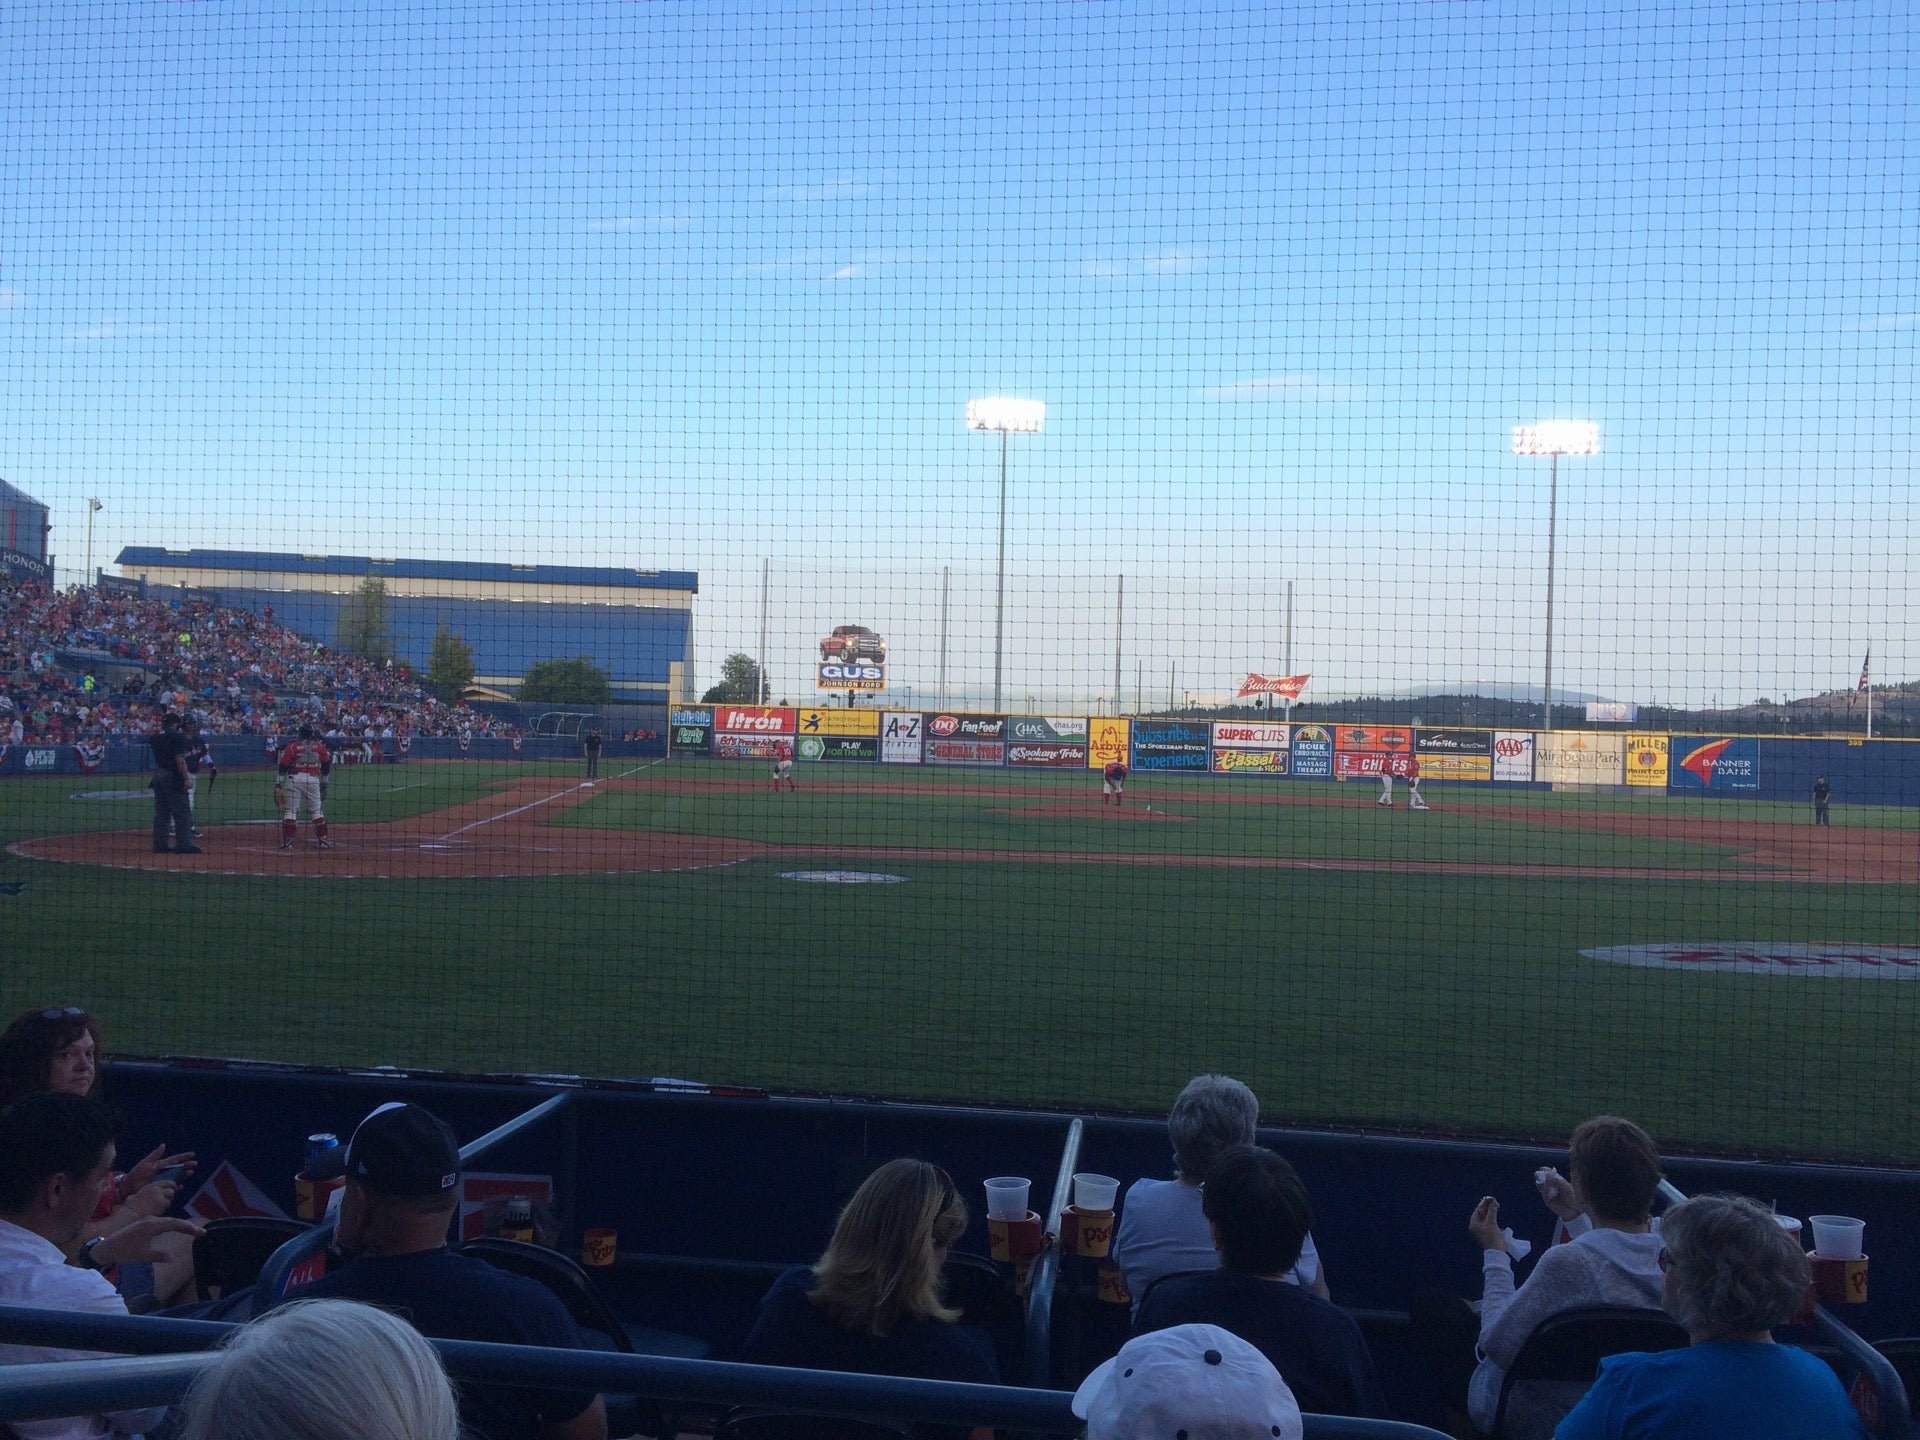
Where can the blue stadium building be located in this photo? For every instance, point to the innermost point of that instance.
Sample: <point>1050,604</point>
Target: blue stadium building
<point>637,625</point>
<point>23,537</point>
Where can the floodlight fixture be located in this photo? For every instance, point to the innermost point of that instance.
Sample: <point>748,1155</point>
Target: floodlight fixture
<point>1554,438</point>
<point>1010,417</point>
<point>1007,415</point>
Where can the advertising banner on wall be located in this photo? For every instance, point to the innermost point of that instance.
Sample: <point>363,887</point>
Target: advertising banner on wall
<point>832,675</point>
<point>1456,767</point>
<point>754,719</point>
<point>839,747</point>
<point>1047,727</point>
<point>1372,737</point>
<point>1612,712</point>
<point>1312,757</point>
<point>900,738</point>
<point>1513,756</point>
<point>1048,754</point>
<point>839,722</point>
<point>1170,744</point>
<point>1647,760</point>
<point>1249,762</point>
<point>1108,740</point>
<point>1716,766</point>
<point>732,745</point>
<point>1573,757</point>
<point>1454,754</point>
<point>690,731</point>
<point>1250,735</point>
<point>936,751</point>
<point>947,726</point>
<point>1371,764</point>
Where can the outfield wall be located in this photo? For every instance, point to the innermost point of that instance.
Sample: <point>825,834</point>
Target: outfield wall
<point>241,752</point>
<point>1862,772</point>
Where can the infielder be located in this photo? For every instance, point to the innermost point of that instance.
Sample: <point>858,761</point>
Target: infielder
<point>1409,766</point>
<point>783,766</point>
<point>1113,784</point>
<point>304,767</point>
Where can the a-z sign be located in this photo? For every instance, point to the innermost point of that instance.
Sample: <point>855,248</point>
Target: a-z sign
<point>900,739</point>
<point>836,676</point>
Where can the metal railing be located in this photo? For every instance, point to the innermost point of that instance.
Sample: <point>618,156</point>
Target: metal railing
<point>86,1387</point>
<point>1045,1276</point>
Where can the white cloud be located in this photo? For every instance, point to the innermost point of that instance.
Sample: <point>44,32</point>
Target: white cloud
<point>112,329</point>
<point>649,224</point>
<point>844,187</point>
<point>1173,262</point>
<point>849,272</point>
<point>1282,387</point>
<point>826,265</point>
<point>11,298</point>
<point>1885,322</point>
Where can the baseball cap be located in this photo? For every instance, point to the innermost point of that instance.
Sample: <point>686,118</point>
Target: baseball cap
<point>1192,1382</point>
<point>404,1150</point>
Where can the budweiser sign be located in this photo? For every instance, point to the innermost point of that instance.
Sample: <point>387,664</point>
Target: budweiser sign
<point>1287,687</point>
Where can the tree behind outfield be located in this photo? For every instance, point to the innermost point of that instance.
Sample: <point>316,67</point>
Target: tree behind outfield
<point>740,683</point>
<point>365,621</point>
<point>566,682</point>
<point>449,665</point>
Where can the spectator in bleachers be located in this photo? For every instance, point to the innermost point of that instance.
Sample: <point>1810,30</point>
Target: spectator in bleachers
<point>1614,1174</point>
<point>1732,1274</point>
<point>401,1195</point>
<point>60,1048</point>
<point>1194,1381</point>
<point>1258,1212</point>
<point>872,1303</point>
<point>324,1370</point>
<point>56,1161</point>
<point>1163,1230</point>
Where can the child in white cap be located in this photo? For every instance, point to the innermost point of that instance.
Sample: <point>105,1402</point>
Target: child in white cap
<point>1192,1382</point>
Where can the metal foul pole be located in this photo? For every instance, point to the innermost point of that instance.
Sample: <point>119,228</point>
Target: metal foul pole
<point>1286,705</point>
<point>1000,597</point>
<point>1119,612</point>
<point>766,572</point>
<point>1553,513</point>
<point>945,575</point>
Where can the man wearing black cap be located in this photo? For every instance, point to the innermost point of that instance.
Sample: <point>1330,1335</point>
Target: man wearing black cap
<point>403,1187</point>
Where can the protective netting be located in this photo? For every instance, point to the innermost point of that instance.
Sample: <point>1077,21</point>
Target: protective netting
<point>489,387</point>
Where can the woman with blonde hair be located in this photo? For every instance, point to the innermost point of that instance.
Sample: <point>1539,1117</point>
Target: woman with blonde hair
<point>872,1303</point>
<point>324,1370</point>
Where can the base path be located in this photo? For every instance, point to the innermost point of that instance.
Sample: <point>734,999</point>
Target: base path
<point>506,834</point>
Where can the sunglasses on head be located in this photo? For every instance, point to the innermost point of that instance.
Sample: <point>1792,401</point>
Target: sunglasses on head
<point>62,1012</point>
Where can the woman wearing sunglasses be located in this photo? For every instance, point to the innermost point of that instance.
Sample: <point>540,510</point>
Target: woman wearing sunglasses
<point>872,1303</point>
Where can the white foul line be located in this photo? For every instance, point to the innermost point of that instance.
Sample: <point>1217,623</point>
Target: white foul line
<point>536,804</point>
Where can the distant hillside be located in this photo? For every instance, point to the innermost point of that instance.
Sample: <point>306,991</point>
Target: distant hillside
<point>1896,712</point>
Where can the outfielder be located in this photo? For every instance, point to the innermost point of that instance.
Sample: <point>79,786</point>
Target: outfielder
<point>1409,766</point>
<point>783,766</point>
<point>304,767</point>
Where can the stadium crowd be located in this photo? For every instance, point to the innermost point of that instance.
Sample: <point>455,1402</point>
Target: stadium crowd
<point>86,665</point>
<point>1232,1337</point>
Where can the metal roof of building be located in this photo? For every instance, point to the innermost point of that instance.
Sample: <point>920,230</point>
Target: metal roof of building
<point>14,495</point>
<point>263,562</point>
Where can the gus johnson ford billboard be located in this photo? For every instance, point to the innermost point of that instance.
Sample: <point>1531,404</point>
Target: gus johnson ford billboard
<point>1717,766</point>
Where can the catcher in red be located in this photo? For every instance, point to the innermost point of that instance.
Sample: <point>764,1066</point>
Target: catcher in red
<point>304,766</point>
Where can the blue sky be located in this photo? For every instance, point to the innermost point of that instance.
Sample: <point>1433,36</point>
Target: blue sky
<point>688,285</point>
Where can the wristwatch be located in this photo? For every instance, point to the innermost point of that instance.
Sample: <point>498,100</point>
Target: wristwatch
<point>85,1256</point>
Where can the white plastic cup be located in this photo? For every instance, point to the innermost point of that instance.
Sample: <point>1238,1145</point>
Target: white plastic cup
<point>1838,1237</point>
<point>1007,1198</point>
<point>1790,1225</point>
<point>1095,1192</point>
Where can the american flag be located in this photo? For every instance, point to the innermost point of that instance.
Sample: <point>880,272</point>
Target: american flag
<point>1866,671</point>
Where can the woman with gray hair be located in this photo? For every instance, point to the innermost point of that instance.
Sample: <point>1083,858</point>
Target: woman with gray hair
<point>1731,1275</point>
<point>1162,1229</point>
<point>324,1370</point>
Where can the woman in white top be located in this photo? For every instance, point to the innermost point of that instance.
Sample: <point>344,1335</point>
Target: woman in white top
<point>1162,1229</point>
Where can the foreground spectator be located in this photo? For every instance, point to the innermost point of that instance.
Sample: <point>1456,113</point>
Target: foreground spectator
<point>1732,1274</point>
<point>1258,1211</point>
<point>324,1370</point>
<point>60,1048</point>
<point>1613,1176</point>
<point>1162,1228</point>
<point>56,1160</point>
<point>872,1303</point>
<point>1193,1381</point>
<point>403,1187</point>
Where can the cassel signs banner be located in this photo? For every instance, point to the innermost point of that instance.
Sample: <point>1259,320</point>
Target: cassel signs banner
<point>966,727</point>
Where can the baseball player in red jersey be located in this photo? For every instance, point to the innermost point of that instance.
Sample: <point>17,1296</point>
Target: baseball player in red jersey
<point>1113,784</point>
<point>304,766</point>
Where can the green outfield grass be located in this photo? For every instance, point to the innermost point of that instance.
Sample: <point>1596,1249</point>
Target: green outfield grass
<point>1456,1002</point>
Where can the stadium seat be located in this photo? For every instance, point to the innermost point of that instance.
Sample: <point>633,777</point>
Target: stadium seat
<point>756,1424</point>
<point>230,1253</point>
<point>1570,1346</point>
<point>983,1295</point>
<point>590,1311</point>
<point>1904,1355</point>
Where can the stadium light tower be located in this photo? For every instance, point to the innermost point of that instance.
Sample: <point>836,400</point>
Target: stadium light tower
<point>93,507</point>
<point>1009,417</point>
<point>1555,438</point>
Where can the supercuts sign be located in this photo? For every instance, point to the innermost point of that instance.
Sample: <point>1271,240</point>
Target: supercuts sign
<point>966,727</point>
<point>753,719</point>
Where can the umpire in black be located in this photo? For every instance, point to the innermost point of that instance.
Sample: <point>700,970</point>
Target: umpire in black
<point>170,812</point>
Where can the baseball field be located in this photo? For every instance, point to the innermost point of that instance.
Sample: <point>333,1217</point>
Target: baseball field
<point>1357,965</point>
